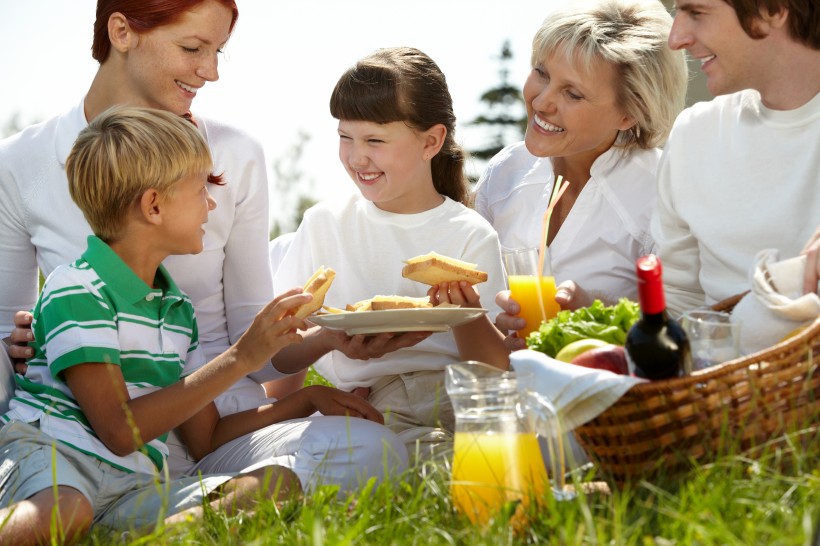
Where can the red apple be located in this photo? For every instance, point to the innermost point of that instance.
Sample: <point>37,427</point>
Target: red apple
<point>609,357</point>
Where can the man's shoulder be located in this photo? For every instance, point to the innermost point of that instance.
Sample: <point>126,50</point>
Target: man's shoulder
<point>706,112</point>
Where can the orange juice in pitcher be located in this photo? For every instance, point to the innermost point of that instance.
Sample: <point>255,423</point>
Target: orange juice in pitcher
<point>497,455</point>
<point>491,469</point>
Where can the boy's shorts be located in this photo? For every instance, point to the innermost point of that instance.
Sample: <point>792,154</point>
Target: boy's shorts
<point>31,461</point>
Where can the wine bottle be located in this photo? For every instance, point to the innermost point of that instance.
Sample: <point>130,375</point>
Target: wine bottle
<point>656,345</point>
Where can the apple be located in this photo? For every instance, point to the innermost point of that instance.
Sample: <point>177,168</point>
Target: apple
<point>576,348</point>
<point>609,357</point>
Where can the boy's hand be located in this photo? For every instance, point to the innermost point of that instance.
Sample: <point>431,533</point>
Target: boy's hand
<point>273,328</point>
<point>459,293</point>
<point>330,401</point>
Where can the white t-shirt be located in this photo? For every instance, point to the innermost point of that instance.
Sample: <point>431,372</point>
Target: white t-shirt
<point>735,178</point>
<point>228,282</point>
<point>604,233</point>
<point>367,246</point>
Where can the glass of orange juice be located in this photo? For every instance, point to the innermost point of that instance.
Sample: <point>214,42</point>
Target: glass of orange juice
<point>534,290</point>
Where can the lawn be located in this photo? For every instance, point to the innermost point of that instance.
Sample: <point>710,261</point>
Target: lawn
<point>773,498</point>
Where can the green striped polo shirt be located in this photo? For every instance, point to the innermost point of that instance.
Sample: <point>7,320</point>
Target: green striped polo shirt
<point>97,310</point>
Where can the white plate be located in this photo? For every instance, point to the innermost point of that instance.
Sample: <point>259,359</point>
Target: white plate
<point>398,320</point>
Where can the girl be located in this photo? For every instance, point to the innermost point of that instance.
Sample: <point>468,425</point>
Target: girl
<point>396,141</point>
<point>159,53</point>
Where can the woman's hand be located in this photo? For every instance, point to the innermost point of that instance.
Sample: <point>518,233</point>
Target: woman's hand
<point>812,253</point>
<point>18,348</point>
<point>507,321</point>
<point>571,296</point>
<point>330,401</point>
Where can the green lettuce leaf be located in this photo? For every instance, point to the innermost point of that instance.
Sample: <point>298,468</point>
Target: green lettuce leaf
<point>598,321</point>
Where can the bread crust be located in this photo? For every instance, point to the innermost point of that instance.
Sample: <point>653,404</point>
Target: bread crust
<point>434,269</point>
<point>318,285</point>
<point>384,303</point>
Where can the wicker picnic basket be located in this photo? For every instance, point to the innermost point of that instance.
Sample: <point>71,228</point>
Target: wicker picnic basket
<point>667,426</point>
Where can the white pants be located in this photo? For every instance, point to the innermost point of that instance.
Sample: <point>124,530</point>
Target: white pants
<point>320,449</point>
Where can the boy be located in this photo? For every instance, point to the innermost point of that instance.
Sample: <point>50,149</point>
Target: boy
<point>740,173</point>
<point>113,336</point>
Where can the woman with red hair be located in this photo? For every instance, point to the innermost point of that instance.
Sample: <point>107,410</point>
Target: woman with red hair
<point>159,54</point>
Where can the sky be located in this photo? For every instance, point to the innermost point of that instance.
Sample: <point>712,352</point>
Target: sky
<point>280,65</point>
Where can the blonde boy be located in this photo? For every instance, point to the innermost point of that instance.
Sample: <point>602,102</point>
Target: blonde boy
<point>117,361</point>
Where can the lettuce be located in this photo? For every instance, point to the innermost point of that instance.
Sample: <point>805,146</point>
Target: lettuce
<point>598,321</point>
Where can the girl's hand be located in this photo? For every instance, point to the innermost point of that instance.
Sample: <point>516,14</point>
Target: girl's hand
<point>361,347</point>
<point>330,401</point>
<point>507,321</point>
<point>459,293</point>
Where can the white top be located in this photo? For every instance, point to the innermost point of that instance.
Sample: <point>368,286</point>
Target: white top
<point>228,282</point>
<point>367,246</point>
<point>606,230</point>
<point>735,178</point>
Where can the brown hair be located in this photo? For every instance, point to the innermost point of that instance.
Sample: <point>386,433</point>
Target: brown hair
<point>404,84</point>
<point>143,16</point>
<point>803,20</point>
<point>124,152</point>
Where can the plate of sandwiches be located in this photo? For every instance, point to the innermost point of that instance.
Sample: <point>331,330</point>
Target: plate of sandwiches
<point>395,314</point>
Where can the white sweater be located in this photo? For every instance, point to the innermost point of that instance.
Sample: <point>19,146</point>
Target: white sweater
<point>367,246</point>
<point>735,178</point>
<point>41,227</point>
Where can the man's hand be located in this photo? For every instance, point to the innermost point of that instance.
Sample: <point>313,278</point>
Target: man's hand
<point>812,253</point>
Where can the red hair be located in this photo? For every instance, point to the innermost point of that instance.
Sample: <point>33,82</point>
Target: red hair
<point>143,16</point>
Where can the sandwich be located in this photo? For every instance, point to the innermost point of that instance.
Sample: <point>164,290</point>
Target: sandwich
<point>318,285</point>
<point>383,303</point>
<point>434,269</point>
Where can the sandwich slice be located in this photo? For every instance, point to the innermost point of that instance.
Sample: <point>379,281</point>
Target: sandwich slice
<point>434,269</point>
<point>383,303</point>
<point>318,285</point>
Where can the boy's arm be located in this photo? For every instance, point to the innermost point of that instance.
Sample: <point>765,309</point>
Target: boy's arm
<point>206,431</point>
<point>124,424</point>
<point>478,339</point>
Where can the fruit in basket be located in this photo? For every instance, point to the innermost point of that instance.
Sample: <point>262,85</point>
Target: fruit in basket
<point>609,357</point>
<point>572,350</point>
<point>797,331</point>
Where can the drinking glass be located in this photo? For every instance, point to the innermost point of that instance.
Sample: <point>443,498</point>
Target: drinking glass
<point>534,290</point>
<point>713,337</point>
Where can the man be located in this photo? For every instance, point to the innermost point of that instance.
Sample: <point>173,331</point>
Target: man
<point>741,173</point>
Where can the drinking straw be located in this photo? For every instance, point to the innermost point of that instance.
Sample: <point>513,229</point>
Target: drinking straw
<point>557,192</point>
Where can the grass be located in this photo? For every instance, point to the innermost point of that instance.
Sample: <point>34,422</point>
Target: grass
<point>773,499</point>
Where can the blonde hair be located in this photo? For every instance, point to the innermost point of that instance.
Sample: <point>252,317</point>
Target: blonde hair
<point>124,152</point>
<point>632,36</point>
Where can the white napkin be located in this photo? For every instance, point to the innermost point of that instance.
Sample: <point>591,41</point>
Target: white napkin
<point>775,306</point>
<point>579,394</point>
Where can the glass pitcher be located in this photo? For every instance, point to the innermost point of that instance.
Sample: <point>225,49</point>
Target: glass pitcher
<point>497,457</point>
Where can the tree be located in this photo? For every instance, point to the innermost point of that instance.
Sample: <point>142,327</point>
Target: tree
<point>506,116</point>
<point>292,192</point>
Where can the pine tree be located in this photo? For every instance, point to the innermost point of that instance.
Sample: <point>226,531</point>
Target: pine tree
<point>506,115</point>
